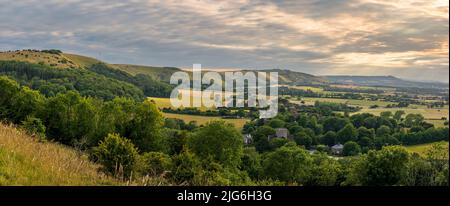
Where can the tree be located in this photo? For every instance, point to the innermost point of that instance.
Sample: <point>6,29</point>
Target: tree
<point>382,168</point>
<point>326,171</point>
<point>329,138</point>
<point>277,143</point>
<point>399,114</point>
<point>117,155</point>
<point>217,141</point>
<point>276,123</point>
<point>304,139</point>
<point>146,128</point>
<point>260,137</point>
<point>383,131</point>
<point>184,168</point>
<point>289,164</point>
<point>413,120</point>
<point>335,124</point>
<point>386,114</point>
<point>364,132</point>
<point>351,149</point>
<point>70,117</point>
<point>348,133</point>
<point>26,103</point>
<point>9,89</point>
<point>251,163</point>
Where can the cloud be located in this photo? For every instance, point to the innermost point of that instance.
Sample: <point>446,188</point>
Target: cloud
<point>405,38</point>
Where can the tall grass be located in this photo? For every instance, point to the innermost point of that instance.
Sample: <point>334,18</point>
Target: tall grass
<point>26,161</point>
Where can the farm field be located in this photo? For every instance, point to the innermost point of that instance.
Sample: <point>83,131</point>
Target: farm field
<point>422,148</point>
<point>354,102</point>
<point>165,103</point>
<point>201,120</point>
<point>313,89</point>
<point>430,114</point>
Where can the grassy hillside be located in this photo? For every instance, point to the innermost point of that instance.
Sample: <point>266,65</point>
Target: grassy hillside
<point>25,161</point>
<point>58,60</point>
<point>159,73</point>
<point>297,78</point>
<point>65,60</point>
<point>82,60</point>
<point>55,60</point>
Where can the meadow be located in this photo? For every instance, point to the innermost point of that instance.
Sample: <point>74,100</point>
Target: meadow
<point>422,149</point>
<point>353,102</point>
<point>201,120</point>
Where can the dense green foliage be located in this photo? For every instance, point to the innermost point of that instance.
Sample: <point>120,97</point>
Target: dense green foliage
<point>131,138</point>
<point>313,126</point>
<point>52,81</point>
<point>117,154</point>
<point>100,81</point>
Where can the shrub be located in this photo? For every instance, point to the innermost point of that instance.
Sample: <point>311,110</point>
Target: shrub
<point>155,163</point>
<point>34,127</point>
<point>117,155</point>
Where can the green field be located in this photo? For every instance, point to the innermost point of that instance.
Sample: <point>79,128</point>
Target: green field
<point>313,89</point>
<point>202,120</point>
<point>165,103</point>
<point>430,114</point>
<point>421,149</point>
<point>353,102</point>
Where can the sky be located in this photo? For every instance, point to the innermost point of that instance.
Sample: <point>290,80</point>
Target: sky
<point>404,38</point>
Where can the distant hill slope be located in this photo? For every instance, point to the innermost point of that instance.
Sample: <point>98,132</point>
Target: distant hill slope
<point>57,60</point>
<point>159,73</point>
<point>297,78</point>
<point>389,81</point>
<point>164,73</point>
<point>25,161</point>
<point>83,61</point>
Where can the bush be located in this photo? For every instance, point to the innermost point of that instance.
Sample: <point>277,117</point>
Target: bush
<point>155,163</point>
<point>351,148</point>
<point>34,127</point>
<point>117,155</point>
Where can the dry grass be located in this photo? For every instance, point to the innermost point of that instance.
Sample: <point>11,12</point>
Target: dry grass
<point>57,61</point>
<point>26,161</point>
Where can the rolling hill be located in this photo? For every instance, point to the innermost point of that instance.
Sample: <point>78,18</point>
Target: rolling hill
<point>65,60</point>
<point>385,81</point>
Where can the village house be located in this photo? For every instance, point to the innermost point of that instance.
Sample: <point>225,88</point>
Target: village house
<point>248,139</point>
<point>337,149</point>
<point>279,133</point>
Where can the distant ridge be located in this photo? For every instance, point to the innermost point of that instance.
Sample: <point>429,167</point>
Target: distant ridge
<point>59,59</point>
<point>386,81</point>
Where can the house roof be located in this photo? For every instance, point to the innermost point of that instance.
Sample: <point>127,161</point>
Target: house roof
<point>337,146</point>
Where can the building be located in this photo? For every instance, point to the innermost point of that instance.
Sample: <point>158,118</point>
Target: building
<point>337,149</point>
<point>279,133</point>
<point>248,139</point>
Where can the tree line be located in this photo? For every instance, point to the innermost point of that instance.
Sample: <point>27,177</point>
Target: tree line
<point>130,138</point>
<point>99,81</point>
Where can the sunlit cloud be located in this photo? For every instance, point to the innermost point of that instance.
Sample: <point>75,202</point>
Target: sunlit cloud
<point>365,37</point>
